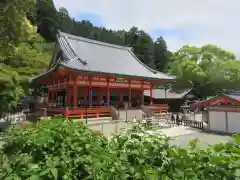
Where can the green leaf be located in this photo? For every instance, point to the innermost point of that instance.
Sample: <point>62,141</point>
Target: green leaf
<point>54,172</point>
<point>34,177</point>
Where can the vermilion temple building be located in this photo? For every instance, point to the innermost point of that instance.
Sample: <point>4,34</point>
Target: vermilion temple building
<point>84,72</point>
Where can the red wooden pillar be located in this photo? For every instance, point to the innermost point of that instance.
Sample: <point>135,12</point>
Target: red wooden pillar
<point>99,96</point>
<point>68,96</point>
<point>84,91</point>
<point>66,113</point>
<point>108,92</point>
<point>68,92</point>
<point>49,91</point>
<point>53,91</point>
<point>75,95</point>
<point>121,96</point>
<point>90,91</point>
<point>151,102</point>
<point>129,92</point>
<point>142,93</point>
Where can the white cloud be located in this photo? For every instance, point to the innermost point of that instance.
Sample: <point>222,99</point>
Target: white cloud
<point>202,22</point>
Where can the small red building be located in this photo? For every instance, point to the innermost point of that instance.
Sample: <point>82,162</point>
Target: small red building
<point>223,113</point>
<point>219,100</point>
<point>85,72</point>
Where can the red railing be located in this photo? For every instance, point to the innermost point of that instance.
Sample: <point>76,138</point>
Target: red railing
<point>81,112</point>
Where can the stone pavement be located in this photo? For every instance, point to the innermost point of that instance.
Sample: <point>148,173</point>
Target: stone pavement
<point>176,131</point>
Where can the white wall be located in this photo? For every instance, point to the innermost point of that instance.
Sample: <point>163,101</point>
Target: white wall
<point>233,122</point>
<point>217,121</point>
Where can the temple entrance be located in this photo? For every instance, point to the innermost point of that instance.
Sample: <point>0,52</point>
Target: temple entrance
<point>114,97</point>
<point>95,96</point>
<point>61,98</point>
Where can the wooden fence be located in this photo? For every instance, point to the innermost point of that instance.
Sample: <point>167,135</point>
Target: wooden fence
<point>187,122</point>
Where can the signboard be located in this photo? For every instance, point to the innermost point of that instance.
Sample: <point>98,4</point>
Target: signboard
<point>121,80</point>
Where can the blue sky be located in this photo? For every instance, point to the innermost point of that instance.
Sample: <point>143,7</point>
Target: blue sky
<point>93,18</point>
<point>96,21</point>
<point>179,22</point>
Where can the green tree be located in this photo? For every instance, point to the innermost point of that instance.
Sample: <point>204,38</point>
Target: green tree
<point>161,54</point>
<point>13,24</point>
<point>142,45</point>
<point>65,22</point>
<point>208,69</point>
<point>10,89</point>
<point>47,19</point>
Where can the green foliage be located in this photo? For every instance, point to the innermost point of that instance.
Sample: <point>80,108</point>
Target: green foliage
<point>59,149</point>
<point>31,57</point>
<point>46,19</point>
<point>10,89</point>
<point>13,24</point>
<point>161,54</point>
<point>208,69</point>
<point>54,149</point>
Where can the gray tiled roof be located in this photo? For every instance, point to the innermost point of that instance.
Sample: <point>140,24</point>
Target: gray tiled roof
<point>94,56</point>
<point>233,97</point>
<point>170,93</point>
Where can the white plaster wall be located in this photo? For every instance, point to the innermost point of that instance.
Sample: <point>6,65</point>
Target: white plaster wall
<point>233,122</point>
<point>217,121</point>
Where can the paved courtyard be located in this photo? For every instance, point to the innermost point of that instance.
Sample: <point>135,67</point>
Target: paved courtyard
<point>204,139</point>
<point>182,135</point>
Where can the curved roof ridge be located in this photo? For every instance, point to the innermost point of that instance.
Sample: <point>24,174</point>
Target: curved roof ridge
<point>84,62</point>
<point>69,52</point>
<point>70,36</point>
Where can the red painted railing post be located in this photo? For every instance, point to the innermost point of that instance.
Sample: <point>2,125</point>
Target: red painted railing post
<point>66,113</point>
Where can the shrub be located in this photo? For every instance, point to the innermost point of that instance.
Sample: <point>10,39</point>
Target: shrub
<point>60,149</point>
<point>149,156</point>
<point>54,149</point>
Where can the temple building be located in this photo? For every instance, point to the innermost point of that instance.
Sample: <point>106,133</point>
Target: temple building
<point>85,72</point>
<point>174,97</point>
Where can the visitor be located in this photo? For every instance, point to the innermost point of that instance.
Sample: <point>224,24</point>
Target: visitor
<point>177,120</point>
